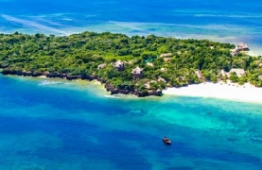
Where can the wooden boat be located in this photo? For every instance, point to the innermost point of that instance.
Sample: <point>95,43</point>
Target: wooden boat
<point>167,141</point>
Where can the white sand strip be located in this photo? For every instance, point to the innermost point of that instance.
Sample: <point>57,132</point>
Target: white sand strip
<point>228,91</point>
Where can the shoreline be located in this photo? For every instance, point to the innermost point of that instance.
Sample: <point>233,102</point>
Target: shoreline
<point>102,91</point>
<point>222,90</point>
<point>226,91</point>
<point>108,86</point>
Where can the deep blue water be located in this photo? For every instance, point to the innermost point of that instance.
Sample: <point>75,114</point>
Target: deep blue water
<point>57,124</point>
<point>230,21</point>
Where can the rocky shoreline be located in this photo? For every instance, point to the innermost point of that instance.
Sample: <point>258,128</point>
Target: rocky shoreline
<point>109,87</point>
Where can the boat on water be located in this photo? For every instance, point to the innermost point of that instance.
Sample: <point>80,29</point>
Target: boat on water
<point>167,141</point>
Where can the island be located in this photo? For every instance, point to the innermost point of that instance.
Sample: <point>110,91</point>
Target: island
<point>139,65</point>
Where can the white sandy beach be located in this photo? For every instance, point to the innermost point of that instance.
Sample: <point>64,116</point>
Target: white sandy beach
<point>228,91</point>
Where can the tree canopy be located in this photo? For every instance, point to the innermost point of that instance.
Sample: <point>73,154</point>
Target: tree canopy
<point>80,55</point>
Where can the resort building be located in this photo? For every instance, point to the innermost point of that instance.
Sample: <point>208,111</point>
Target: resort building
<point>100,66</point>
<point>240,47</point>
<point>199,75</point>
<point>150,64</point>
<point>148,86</point>
<point>161,79</point>
<point>239,71</point>
<point>166,55</point>
<point>137,72</point>
<point>119,65</point>
<point>223,73</point>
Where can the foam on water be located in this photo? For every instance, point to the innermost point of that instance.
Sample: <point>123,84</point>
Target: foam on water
<point>47,82</point>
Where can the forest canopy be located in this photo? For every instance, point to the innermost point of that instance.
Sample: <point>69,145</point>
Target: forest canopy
<point>164,61</point>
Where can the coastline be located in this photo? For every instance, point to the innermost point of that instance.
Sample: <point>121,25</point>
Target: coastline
<point>129,77</point>
<point>227,91</point>
<point>108,86</point>
<point>98,88</point>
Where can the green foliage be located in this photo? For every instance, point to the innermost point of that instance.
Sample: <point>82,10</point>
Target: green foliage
<point>80,55</point>
<point>214,78</point>
<point>242,80</point>
<point>233,77</point>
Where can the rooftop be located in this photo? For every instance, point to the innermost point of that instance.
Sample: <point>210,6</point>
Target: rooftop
<point>238,71</point>
<point>119,64</point>
<point>166,55</point>
<point>137,70</point>
<point>242,45</point>
<point>100,66</point>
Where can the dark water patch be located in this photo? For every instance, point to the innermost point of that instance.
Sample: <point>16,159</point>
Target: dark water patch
<point>232,139</point>
<point>181,168</point>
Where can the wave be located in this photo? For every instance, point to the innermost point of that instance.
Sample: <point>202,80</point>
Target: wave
<point>34,24</point>
<point>111,96</point>
<point>227,16</point>
<point>47,82</point>
<point>256,139</point>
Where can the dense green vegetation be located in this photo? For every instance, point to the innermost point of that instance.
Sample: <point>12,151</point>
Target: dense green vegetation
<point>80,54</point>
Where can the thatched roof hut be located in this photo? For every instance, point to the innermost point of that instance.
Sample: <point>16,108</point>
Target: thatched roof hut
<point>240,47</point>
<point>147,85</point>
<point>150,64</point>
<point>199,74</point>
<point>239,71</point>
<point>100,66</point>
<point>223,73</point>
<point>137,70</point>
<point>119,65</point>
<point>161,79</point>
<point>166,55</point>
<point>243,47</point>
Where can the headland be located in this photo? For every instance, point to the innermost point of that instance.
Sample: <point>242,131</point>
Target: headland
<point>136,65</point>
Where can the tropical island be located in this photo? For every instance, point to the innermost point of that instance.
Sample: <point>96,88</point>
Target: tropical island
<point>130,65</point>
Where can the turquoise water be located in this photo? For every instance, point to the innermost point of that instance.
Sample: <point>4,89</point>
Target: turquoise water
<point>58,124</point>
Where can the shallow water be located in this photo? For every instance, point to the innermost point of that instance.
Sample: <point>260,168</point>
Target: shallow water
<point>70,125</point>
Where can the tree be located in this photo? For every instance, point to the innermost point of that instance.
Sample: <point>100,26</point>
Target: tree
<point>233,77</point>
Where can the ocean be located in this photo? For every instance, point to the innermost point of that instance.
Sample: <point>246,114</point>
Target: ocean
<point>58,124</point>
<point>230,21</point>
<point>48,124</point>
